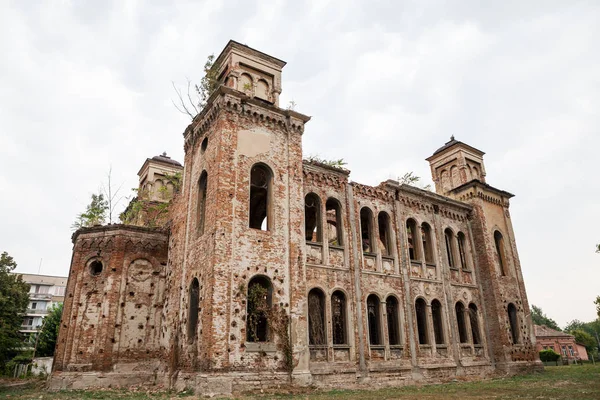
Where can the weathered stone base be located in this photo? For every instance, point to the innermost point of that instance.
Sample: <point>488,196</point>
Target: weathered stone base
<point>227,383</point>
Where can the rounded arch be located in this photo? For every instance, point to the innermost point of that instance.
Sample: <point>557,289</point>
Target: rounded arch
<point>421,314</point>
<point>201,200</point>
<point>500,252</point>
<point>427,242</point>
<point>459,309</point>
<point>316,317</point>
<point>334,221</point>
<point>261,187</point>
<point>385,233</point>
<point>259,302</point>
<point>461,240</point>
<point>449,239</point>
<point>95,266</point>
<point>366,230</point>
<point>312,218</point>
<point>193,308</point>
<point>245,83</point>
<point>412,238</point>
<point>374,319</point>
<point>513,322</point>
<point>392,310</point>
<point>262,89</point>
<point>437,320</point>
<point>339,316</point>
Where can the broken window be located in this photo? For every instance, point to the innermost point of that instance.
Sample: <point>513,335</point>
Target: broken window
<point>374,320</point>
<point>438,327</point>
<point>366,216</point>
<point>338,317</point>
<point>334,222</point>
<point>449,235</point>
<point>461,251</point>
<point>194,297</point>
<point>258,309</point>
<point>316,317</point>
<point>474,318</point>
<point>421,311</point>
<point>427,243</point>
<point>514,324</point>
<point>201,201</point>
<point>460,321</point>
<point>312,218</point>
<point>499,240</point>
<point>385,242</point>
<point>411,234</point>
<point>393,320</point>
<point>260,188</point>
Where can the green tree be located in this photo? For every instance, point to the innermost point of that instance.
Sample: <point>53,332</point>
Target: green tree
<point>539,318</point>
<point>95,213</point>
<point>14,297</point>
<point>549,355</point>
<point>49,333</point>
<point>597,303</point>
<point>584,338</point>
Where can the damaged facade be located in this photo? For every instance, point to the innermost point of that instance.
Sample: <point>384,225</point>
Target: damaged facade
<point>270,269</point>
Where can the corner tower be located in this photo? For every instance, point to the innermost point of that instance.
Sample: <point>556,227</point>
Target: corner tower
<point>242,231</point>
<point>459,172</point>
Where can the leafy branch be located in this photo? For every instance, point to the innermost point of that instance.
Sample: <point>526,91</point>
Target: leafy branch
<point>193,101</point>
<point>411,179</point>
<point>339,163</point>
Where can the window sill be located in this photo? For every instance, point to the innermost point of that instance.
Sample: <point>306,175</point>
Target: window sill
<point>396,347</point>
<point>336,247</point>
<point>377,347</point>
<point>316,244</point>
<point>441,346</point>
<point>267,347</point>
<point>369,254</point>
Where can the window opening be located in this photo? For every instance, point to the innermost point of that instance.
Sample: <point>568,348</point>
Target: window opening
<point>95,270</point>
<point>421,311</point>
<point>316,317</point>
<point>514,325</point>
<point>259,305</point>
<point>202,182</point>
<point>334,222</point>
<point>312,218</point>
<point>499,240</point>
<point>461,251</point>
<point>450,247</point>
<point>427,243</point>
<point>366,216</point>
<point>260,187</point>
<point>383,220</point>
<point>474,323</point>
<point>338,316</point>
<point>393,320</point>
<point>438,328</point>
<point>460,321</point>
<point>411,234</point>
<point>194,299</point>
<point>374,320</point>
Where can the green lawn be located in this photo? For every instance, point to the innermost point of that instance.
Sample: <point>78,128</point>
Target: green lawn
<point>557,383</point>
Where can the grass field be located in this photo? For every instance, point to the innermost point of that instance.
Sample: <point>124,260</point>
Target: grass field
<point>557,383</point>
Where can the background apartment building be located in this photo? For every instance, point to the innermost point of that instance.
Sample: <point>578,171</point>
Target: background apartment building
<point>45,291</point>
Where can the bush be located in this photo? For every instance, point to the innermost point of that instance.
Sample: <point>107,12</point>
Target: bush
<point>549,355</point>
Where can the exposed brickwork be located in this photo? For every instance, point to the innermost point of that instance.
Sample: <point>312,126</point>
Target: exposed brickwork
<point>107,328</point>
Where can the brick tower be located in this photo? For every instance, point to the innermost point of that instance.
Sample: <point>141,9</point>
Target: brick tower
<point>459,172</point>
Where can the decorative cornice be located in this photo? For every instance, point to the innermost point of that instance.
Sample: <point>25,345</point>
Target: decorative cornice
<point>319,176</point>
<point>373,192</point>
<point>117,229</point>
<point>234,101</point>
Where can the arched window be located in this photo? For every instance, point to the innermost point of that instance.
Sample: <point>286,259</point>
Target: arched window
<point>383,220</point>
<point>500,251</point>
<point>245,84</point>
<point>194,300</point>
<point>260,197</point>
<point>412,236</point>
<point>312,218</point>
<point>374,320</point>
<point>393,320</point>
<point>334,222</point>
<point>262,89</point>
<point>514,324</point>
<point>421,312</point>
<point>474,318</point>
<point>258,306</point>
<point>427,243</point>
<point>438,326</point>
<point>338,317</point>
<point>449,235</point>
<point>460,321</point>
<point>461,251</point>
<point>316,317</point>
<point>202,182</point>
<point>366,218</point>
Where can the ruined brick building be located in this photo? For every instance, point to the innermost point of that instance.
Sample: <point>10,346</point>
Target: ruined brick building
<point>270,268</point>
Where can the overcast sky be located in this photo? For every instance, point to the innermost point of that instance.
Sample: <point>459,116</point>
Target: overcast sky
<point>87,84</point>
